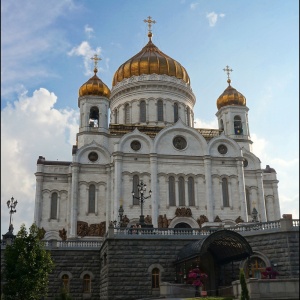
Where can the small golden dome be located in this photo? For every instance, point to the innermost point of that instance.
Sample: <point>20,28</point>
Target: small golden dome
<point>150,60</point>
<point>231,97</point>
<point>94,86</point>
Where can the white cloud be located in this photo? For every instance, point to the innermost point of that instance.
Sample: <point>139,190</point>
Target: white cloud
<point>31,127</point>
<point>89,31</point>
<point>194,5</point>
<point>86,51</point>
<point>206,124</point>
<point>213,18</point>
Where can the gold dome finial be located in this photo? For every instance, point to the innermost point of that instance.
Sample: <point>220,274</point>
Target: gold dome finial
<point>95,59</point>
<point>227,70</point>
<point>149,21</point>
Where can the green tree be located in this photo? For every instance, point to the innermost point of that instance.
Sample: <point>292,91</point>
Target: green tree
<point>64,295</point>
<point>26,266</point>
<point>245,292</point>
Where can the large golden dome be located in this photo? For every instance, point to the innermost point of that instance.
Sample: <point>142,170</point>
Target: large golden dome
<point>231,97</point>
<point>150,60</point>
<point>95,87</point>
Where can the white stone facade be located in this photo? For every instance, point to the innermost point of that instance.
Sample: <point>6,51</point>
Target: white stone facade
<point>200,172</point>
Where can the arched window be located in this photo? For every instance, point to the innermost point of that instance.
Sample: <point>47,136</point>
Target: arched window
<point>116,116</point>
<point>175,112</point>
<point>135,190</point>
<point>188,116</point>
<point>238,128</point>
<point>181,191</point>
<point>53,213</point>
<point>155,278</point>
<point>127,114</point>
<point>142,111</point>
<point>225,192</point>
<point>94,117</point>
<point>221,125</point>
<point>248,201</point>
<point>160,110</point>
<point>92,197</point>
<point>172,196</point>
<point>254,268</point>
<point>86,283</point>
<point>191,191</point>
<point>66,281</point>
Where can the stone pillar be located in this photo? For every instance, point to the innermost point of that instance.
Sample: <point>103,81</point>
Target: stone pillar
<point>208,188</point>
<point>261,197</point>
<point>154,189</point>
<point>74,200</point>
<point>38,198</point>
<point>242,194</point>
<point>118,159</point>
<point>176,191</point>
<point>276,201</point>
<point>196,192</point>
<point>108,196</point>
<point>69,204</point>
<point>230,194</point>
<point>186,192</point>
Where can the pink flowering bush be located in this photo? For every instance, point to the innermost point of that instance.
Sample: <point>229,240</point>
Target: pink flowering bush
<point>197,277</point>
<point>269,273</point>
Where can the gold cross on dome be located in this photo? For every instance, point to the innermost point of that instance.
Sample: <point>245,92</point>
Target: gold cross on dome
<point>227,70</point>
<point>95,59</point>
<point>150,22</point>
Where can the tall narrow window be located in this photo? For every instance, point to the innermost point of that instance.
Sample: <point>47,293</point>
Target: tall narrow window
<point>225,192</point>
<point>92,197</point>
<point>66,281</point>
<point>175,112</point>
<point>255,266</point>
<point>221,125</point>
<point>86,283</point>
<point>116,116</point>
<point>94,117</point>
<point>142,111</point>
<point>155,278</point>
<point>135,183</point>
<point>127,114</point>
<point>191,187</point>
<point>238,128</point>
<point>160,110</point>
<point>248,201</point>
<point>53,213</point>
<point>172,197</point>
<point>181,191</point>
<point>188,116</point>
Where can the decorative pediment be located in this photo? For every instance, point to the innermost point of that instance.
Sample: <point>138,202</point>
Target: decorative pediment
<point>83,229</point>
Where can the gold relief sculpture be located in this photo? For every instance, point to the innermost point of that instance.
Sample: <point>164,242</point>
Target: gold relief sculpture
<point>183,212</point>
<point>217,219</point>
<point>160,221</point>
<point>239,220</point>
<point>202,220</point>
<point>148,220</point>
<point>63,234</point>
<point>82,228</point>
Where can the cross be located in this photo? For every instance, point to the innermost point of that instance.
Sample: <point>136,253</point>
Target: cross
<point>227,70</point>
<point>149,21</point>
<point>95,59</point>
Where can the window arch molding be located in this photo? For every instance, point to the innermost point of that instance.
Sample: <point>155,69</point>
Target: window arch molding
<point>60,275</point>
<point>152,268</point>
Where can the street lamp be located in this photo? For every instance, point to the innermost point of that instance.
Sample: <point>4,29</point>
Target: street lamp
<point>141,197</point>
<point>121,212</point>
<point>11,204</point>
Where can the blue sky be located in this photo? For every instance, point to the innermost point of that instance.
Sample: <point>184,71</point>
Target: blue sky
<point>45,57</point>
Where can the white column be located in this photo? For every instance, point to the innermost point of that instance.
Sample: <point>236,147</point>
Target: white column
<point>74,200</point>
<point>88,200</point>
<point>196,191</point>
<point>276,201</point>
<point>208,188</point>
<point>38,199</point>
<point>261,197</point>
<point>154,189</point>
<point>69,205</point>
<point>108,197</point>
<point>96,199</point>
<point>230,193</point>
<point>118,184</point>
<point>58,206</point>
<point>241,184</point>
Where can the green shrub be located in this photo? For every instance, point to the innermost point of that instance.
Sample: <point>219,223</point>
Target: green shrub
<point>245,292</point>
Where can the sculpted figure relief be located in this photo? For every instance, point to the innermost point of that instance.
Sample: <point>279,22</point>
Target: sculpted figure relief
<point>82,228</point>
<point>63,234</point>
<point>148,220</point>
<point>217,219</point>
<point>239,220</point>
<point>202,220</point>
<point>183,212</point>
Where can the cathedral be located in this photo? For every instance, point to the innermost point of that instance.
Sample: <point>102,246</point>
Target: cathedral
<point>139,160</point>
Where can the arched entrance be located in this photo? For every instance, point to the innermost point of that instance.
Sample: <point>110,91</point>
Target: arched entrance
<point>214,255</point>
<point>182,225</point>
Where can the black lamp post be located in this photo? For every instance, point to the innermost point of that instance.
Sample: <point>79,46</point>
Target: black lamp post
<point>121,212</point>
<point>11,204</point>
<point>141,197</point>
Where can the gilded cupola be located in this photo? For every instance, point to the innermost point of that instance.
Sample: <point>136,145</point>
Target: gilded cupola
<point>230,96</point>
<point>94,86</point>
<point>150,60</point>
